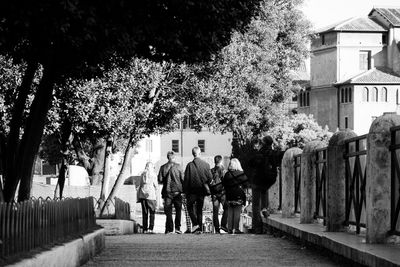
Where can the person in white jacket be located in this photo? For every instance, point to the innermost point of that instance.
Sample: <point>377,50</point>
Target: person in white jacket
<point>147,195</point>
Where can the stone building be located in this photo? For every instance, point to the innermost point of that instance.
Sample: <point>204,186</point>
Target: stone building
<point>355,71</point>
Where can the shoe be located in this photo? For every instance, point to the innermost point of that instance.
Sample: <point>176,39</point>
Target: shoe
<point>177,231</point>
<point>188,231</point>
<point>195,229</point>
<point>230,232</point>
<point>168,233</point>
<point>217,231</point>
<point>224,229</point>
<point>150,232</point>
<point>237,232</point>
<point>145,231</point>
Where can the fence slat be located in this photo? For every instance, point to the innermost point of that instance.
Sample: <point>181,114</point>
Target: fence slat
<point>38,222</point>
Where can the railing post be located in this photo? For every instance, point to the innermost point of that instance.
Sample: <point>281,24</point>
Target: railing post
<point>288,182</point>
<point>308,178</point>
<point>378,182</point>
<point>336,187</point>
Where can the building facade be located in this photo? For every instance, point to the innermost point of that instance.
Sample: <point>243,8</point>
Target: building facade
<point>355,71</point>
<point>155,147</point>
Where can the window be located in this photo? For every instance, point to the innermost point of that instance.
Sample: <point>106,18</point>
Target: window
<point>149,145</point>
<point>365,94</point>
<point>175,146</point>
<point>188,122</point>
<point>397,97</point>
<point>350,95</point>
<point>308,99</point>
<point>342,95</point>
<point>384,94</point>
<point>384,39</point>
<point>345,95</point>
<point>202,145</point>
<point>374,95</point>
<point>301,98</point>
<point>365,60</point>
<point>323,39</point>
<point>346,122</point>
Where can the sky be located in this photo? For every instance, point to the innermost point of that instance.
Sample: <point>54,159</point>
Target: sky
<point>322,13</point>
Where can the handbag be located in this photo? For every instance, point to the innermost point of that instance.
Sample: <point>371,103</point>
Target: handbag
<point>216,188</point>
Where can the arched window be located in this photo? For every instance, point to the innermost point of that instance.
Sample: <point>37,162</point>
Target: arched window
<point>346,95</point>
<point>342,95</point>
<point>350,96</point>
<point>308,99</point>
<point>384,94</point>
<point>397,97</point>
<point>301,98</point>
<point>374,94</point>
<point>365,94</point>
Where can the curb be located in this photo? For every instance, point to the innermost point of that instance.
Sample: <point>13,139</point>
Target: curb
<point>349,246</point>
<point>74,253</point>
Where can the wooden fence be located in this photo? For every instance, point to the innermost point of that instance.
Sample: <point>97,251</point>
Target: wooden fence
<point>42,222</point>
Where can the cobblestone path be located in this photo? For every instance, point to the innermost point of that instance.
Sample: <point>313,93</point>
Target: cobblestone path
<point>207,250</point>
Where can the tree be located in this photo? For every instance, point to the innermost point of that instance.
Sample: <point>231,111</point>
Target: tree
<point>296,131</point>
<point>246,85</point>
<point>70,39</point>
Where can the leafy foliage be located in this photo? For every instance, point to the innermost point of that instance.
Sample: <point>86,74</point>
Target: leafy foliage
<point>296,131</point>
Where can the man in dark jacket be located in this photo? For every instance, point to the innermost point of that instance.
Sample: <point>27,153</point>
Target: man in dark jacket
<point>197,176</point>
<point>265,165</point>
<point>171,177</point>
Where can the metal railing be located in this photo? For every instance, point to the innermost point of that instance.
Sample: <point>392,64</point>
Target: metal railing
<point>122,209</point>
<point>41,222</point>
<point>297,181</point>
<point>395,181</point>
<point>355,160</point>
<point>320,183</point>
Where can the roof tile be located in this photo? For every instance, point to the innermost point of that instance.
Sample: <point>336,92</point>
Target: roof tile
<point>377,75</point>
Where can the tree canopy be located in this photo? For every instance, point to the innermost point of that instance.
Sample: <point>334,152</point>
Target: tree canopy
<point>78,39</point>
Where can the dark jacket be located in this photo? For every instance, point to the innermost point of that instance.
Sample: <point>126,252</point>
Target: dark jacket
<point>217,175</point>
<point>234,183</point>
<point>171,177</point>
<point>197,173</point>
<point>265,165</point>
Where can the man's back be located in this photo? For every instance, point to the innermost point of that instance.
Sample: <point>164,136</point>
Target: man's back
<point>170,175</point>
<point>197,173</point>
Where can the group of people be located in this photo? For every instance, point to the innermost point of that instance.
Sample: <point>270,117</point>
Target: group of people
<point>188,189</point>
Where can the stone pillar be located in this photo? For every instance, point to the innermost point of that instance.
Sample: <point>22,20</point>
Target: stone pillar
<point>308,178</point>
<point>378,182</point>
<point>336,181</point>
<point>288,181</point>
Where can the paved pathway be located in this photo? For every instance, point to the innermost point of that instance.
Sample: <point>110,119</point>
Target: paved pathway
<point>207,250</point>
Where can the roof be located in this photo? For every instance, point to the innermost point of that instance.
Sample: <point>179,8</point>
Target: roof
<point>390,14</point>
<point>378,75</point>
<point>359,24</point>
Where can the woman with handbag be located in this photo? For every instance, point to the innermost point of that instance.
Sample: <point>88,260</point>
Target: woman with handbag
<point>147,195</point>
<point>235,182</point>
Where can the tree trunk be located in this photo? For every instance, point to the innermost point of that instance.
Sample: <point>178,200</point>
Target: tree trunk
<point>123,174</point>
<point>98,161</point>
<point>66,139</point>
<point>106,173</point>
<point>33,132</point>
<point>10,177</point>
<point>80,153</point>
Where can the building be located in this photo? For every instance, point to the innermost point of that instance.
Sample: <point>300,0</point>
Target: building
<point>355,71</point>
<point>155,147</point>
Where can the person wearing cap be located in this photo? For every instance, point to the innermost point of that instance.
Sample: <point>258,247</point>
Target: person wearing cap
<point>171,177</point>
